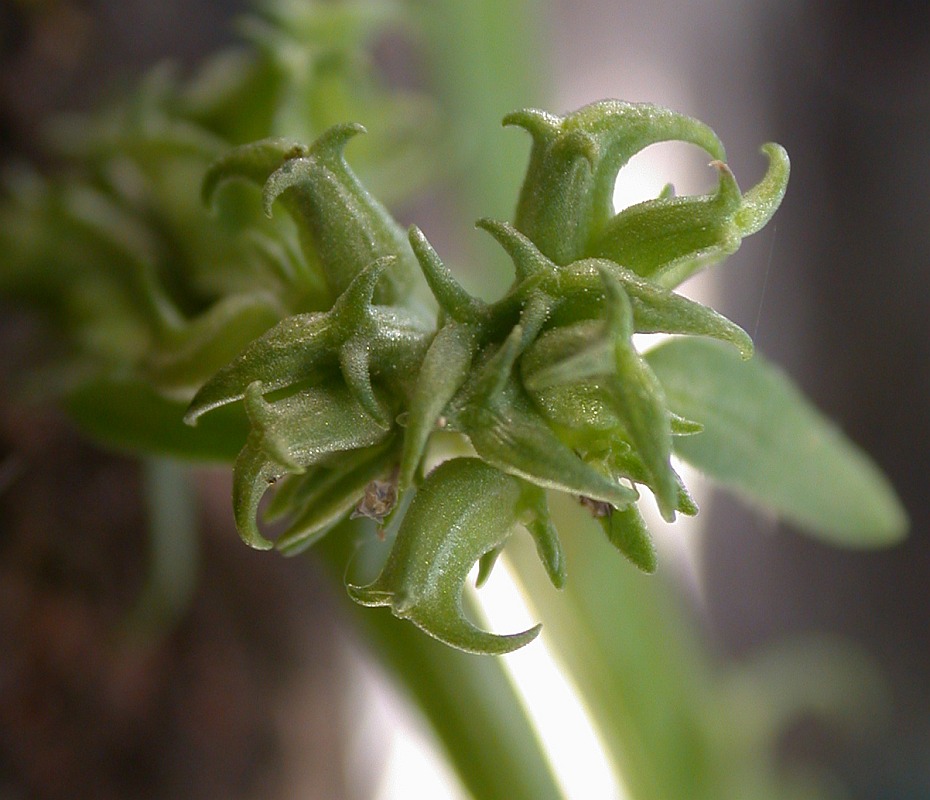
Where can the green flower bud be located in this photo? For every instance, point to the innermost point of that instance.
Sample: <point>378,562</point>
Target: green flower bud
<point>330,494</point>
<point>567,195</point>
<point>343,228</point>
<point>290,435</point>
<point>354,336</point>
<point>499,419</point>
<point>464,510</point>
<point>576,292</point>
<point>608,358</point>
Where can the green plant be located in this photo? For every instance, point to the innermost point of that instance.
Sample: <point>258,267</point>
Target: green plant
<point>305,345</point>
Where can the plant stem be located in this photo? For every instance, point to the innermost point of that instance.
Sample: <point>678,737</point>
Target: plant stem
<point>171,506</point>
<point>469,700</point>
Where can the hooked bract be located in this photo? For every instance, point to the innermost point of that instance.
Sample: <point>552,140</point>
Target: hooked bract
<point>464,510</point>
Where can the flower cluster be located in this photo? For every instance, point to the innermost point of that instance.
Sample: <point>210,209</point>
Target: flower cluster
<point>544,385</point>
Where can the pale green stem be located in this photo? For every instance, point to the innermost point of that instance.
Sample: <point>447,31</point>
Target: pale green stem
<point>173,529</point>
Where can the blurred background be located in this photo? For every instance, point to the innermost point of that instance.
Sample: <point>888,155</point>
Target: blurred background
<point>248,695</point>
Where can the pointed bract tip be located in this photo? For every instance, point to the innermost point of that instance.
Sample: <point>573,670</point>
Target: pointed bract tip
<point>533,120</point>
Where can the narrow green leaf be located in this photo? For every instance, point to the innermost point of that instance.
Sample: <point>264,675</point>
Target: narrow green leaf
<point>130,416</point>
<point>765,440</point>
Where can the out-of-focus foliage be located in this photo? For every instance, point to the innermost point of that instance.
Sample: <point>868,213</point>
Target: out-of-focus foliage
<point>147,288</point>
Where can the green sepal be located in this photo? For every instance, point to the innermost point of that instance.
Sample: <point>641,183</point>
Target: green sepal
<point>601,352</point>
<point>669,239</point>
<point>499,419</point>
<point>577,287</point>
<point>463,510</point>
<point>567,195</point>
<point>528,260</point>
<point>332,498</point>
<point>554,205</point>
<point>325,195</point>
<point>542,529</point>
<point>486,565</point>
<point>581,412</point>
<point>353,335</point>
<point>626,530</point>
<point>294,492</point>
<point>639,400</point>
<point>445,368</point>
<point>620,459</point>
<point>457,304</point>
<point>581,404</point>
<point>538,522</point>
<point>289,435</point>
<point>295,350</point>
<point>290,490</point>
<point>253,162</point>
<point>763,200</point>
<point>682,426</point>
<point>569,355</point>
<point>659,310</point>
